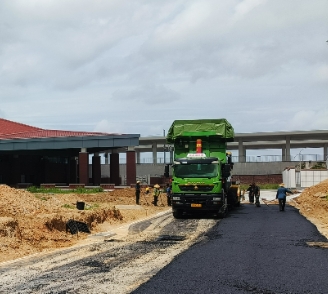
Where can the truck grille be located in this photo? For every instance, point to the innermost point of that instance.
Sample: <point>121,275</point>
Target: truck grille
<point>196,188</point>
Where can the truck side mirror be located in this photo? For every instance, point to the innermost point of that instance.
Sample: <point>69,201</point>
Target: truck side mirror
<point>166,171</point>
<point>226,170</point>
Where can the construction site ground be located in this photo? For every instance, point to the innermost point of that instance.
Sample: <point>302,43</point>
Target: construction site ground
<point>33,223</point>
<point>36,222</point>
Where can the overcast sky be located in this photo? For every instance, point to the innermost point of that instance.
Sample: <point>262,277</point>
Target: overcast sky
<point>135,66</point>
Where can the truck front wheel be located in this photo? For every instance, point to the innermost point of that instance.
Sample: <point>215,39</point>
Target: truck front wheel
<point>177,213</point>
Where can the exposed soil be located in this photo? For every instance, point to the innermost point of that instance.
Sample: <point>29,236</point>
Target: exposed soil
<point>32,223</point>
<point>313,204</point>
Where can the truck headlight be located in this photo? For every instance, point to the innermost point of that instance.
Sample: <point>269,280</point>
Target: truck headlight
<point>175,198</point>
<point>217,198</point>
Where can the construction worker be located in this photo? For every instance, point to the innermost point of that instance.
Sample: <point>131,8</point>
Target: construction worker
<point>250,194</point>
<point>156,193</point>
<point>138,188</point>
<point>257,195</point>
<point>147,190</point>
<point>254,191</point>
<point>281,196</point>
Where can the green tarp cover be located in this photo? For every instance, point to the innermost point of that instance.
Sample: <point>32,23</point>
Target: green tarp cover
<point>200,127</point>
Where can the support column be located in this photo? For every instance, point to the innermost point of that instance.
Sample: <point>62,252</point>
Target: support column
<point>84,167</point>
<point>154,152</point>
<point>325,154</point>
<point>287,149</point>
<point>106,157</point>
<point>96,169</point>
<point>138,157</point>
<point>241,152</point>
<point>114,168</point>
<point>131,168</point>
<point>171,155</point>
<point>283,153</point>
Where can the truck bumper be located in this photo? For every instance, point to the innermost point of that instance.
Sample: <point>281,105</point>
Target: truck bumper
<point>191,203</point>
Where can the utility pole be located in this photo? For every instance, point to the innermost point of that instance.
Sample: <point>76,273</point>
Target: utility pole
<point>164,147</point>
<point>300,158</point>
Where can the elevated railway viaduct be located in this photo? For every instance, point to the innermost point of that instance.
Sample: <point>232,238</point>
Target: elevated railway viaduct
<point>283,141</point>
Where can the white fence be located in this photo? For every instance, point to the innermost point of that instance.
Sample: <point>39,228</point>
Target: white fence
<point>303,178</point>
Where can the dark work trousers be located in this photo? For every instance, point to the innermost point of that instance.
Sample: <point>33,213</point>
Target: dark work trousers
<point>155,200</point>
<point>257,200</point>
<point>282,203</point>
<point>137,196</point>
<point>168,200</point>
<point>251,197</point>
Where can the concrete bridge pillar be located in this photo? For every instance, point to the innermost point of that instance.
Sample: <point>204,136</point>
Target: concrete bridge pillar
<point>241,152</point>
<point>154,152</point>
<point>287,149</point>
<point>283,153</point>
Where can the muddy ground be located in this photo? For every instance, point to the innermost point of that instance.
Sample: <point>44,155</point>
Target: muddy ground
<point>32,223</point>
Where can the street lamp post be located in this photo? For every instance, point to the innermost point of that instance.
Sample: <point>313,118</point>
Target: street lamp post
<point>300,174</point>
<point>299,155</point>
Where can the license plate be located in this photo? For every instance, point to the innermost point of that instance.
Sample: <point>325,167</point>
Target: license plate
<point>196,205</point>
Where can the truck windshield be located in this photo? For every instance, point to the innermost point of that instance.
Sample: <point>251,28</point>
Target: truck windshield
<point>209,170</point>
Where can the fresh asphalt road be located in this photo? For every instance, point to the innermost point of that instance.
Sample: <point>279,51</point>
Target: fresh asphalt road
<point>253,250</point>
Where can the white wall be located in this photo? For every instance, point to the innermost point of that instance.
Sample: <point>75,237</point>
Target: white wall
<point>312,177</point>
<point>289,178</point>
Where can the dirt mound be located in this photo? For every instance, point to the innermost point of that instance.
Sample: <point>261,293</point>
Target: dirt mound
<point>31,223</point>
<point>313,204</point>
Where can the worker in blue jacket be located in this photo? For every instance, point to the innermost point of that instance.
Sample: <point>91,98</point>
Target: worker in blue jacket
<point>281,196</point>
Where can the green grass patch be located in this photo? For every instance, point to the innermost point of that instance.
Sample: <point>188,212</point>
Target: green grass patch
<point>90,207</point>
<point>69,206</point>
<point>41,197</point>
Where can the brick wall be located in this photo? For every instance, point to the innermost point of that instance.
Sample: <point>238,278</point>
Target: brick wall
<point>258,179</point>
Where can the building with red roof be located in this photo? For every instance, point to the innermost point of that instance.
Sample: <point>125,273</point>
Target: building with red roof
<point>34,155</point>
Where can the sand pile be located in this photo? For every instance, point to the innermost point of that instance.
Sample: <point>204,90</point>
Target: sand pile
<point>31,223</point>
<point>313,204</point>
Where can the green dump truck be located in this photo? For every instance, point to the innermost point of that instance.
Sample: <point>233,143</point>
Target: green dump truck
<point>201,168</point>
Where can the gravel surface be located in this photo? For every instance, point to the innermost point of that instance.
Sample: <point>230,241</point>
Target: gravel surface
<point>117,263</point>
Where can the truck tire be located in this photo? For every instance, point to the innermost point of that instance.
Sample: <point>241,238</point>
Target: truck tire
<point>177,213</point>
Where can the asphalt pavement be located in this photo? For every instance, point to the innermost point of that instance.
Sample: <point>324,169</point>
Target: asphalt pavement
<point>252,250</point>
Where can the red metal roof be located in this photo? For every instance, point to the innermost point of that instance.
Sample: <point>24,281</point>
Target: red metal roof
<point>13,130</point>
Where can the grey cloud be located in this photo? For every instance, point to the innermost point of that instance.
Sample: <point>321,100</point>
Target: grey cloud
<point>255,62</point>
<point>148,94</point>
<point>259,43</point>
